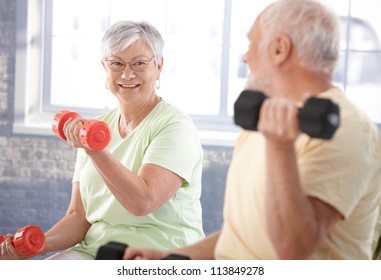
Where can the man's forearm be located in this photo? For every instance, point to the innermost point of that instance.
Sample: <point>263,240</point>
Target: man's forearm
<point>202,250</point>
<point>290,216</point>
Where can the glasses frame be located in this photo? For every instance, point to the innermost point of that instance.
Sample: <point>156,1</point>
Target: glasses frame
<point>130,64</point>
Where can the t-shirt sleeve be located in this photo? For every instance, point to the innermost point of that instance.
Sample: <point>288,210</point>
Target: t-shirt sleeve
<point>176,147</point>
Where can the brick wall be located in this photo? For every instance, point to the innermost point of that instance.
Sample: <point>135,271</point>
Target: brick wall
<point>34,172</point>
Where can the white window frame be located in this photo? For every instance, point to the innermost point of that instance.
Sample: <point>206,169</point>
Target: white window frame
<point>33,114</point>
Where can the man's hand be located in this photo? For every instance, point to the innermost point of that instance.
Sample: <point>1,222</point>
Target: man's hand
<point>144,254</point>
<point>278,121</point>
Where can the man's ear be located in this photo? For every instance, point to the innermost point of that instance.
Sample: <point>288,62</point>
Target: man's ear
<point>282,48</point>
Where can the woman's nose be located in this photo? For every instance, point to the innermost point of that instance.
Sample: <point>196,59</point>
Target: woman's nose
<point>128,73</point>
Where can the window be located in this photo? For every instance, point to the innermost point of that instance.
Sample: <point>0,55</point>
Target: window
<point>58,56</point>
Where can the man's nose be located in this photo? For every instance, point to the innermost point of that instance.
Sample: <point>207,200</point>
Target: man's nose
<point>244,58</point>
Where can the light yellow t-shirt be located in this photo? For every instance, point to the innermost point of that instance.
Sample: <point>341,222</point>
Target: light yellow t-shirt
<point>344,172</point>
<point>166,137</point>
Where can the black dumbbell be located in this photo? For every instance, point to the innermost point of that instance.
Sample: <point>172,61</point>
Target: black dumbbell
<point>115,251</point>
<point>319,117</point>
<point>111,251</point>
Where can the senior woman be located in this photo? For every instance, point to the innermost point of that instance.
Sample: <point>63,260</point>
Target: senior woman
<point>144,188</point>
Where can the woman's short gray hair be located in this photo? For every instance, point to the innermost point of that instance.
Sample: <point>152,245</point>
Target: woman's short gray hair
<point>122,34</point>
<point>312,28</point>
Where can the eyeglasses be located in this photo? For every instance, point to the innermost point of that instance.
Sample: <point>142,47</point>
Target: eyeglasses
<point>136,65</point>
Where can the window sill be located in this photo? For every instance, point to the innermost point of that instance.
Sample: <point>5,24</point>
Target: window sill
<point>43,128</point>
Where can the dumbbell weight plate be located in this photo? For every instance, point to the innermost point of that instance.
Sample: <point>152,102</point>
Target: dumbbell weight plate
<point>95,135</point>
<point>319,118</point>
<point>59,121</point>
<point>246,109</point>
<point>29,240</point>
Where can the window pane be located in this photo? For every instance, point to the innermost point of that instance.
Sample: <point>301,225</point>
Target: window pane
<point>85,18</point>
<point>192,52</point>
<point>364,83</point>
<point>192,60</point>
<point>193,84</point>
<point>77,78</point>
<point>365,30</point>
<point>341,7</point>
<point>339,76</point>
<point>153,11</point>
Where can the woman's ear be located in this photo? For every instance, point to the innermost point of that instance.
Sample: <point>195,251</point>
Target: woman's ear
<point>282,49</point>
<point>159,66</point>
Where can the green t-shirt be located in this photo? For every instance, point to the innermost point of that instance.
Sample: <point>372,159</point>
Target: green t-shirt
<point>166,137</point>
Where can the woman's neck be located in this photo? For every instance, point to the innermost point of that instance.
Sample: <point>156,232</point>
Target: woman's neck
<point>131,115</point>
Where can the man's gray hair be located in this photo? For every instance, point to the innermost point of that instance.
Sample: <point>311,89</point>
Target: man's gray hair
<point>313,29</point>
<point>122,34</point>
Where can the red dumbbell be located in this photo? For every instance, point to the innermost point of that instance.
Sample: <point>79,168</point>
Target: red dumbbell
<point>94,134</point>
<point>28,241</point>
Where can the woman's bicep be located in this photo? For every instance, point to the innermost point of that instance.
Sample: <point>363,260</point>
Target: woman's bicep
<point>161,181</point>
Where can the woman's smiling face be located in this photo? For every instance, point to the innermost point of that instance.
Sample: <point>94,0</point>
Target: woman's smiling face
<point>138,78</point>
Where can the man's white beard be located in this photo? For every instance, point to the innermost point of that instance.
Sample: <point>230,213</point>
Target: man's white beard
<point>250,82</point>
<point>258,83</point>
